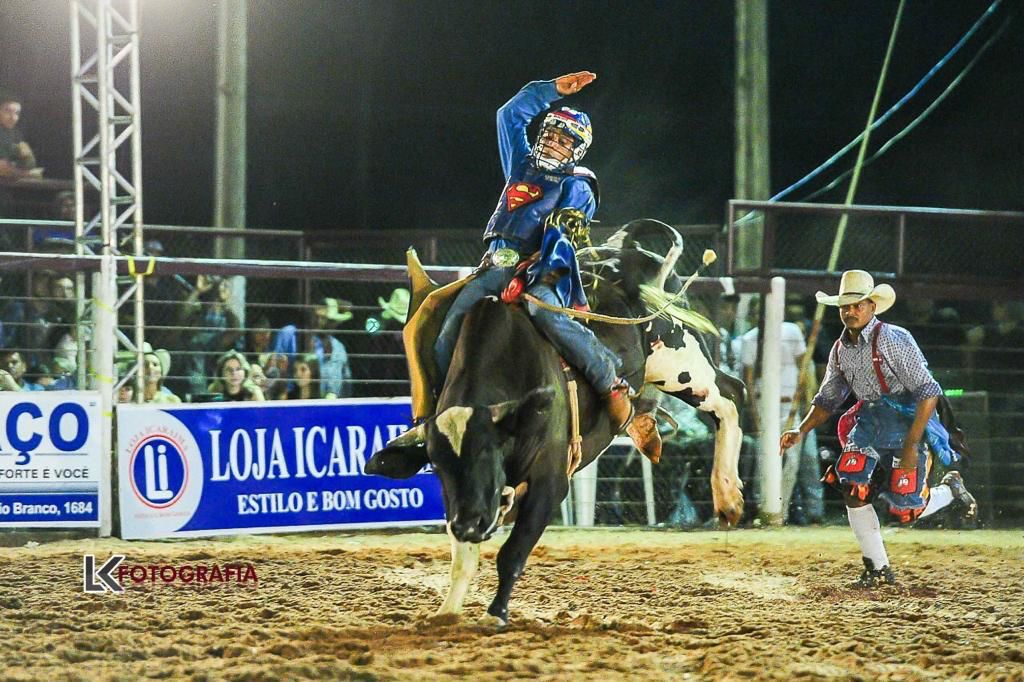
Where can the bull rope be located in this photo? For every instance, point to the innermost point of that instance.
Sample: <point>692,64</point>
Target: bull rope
<point>576,442</point>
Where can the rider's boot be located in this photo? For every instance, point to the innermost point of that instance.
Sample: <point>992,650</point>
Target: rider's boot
<point>620,409</point>
<point>644,432</point>
<point>642,429</point>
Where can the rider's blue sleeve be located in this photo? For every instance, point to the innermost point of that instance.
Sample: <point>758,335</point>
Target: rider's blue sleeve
<point>577,193</point>
<point>515,115</point>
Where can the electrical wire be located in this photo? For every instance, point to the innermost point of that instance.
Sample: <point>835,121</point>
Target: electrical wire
<point>895,107</point>
<point>922,116</point>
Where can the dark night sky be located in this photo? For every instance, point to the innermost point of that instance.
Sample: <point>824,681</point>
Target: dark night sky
<point>381,114</point>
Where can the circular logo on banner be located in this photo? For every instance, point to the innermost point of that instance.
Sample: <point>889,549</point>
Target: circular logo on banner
<point>158,471</point>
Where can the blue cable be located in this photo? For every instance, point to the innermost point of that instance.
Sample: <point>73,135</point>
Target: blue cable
<point>924,114</point>
<point>892,110</point>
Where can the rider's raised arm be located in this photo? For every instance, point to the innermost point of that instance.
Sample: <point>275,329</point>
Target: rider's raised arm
<point>515,115</point>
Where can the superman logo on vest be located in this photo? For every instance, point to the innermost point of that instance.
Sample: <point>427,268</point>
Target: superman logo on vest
<point>520,194</point>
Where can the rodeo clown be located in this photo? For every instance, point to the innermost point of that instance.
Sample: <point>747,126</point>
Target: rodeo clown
<point>528,247</point>
<point>887,435</point>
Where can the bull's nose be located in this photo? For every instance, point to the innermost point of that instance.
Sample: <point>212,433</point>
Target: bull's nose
<point>470,528</point>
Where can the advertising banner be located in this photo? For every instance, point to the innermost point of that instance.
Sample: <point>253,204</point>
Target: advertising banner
<point>221,468</point>
<point>49,458</point>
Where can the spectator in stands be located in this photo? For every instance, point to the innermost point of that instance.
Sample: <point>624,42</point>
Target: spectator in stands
<point>126,394</point>
<point>40,378</point>
<point>258,337</point>
<point>996,355</point>
<point>331,354</point>
<point>259,378</point>
<point>156,366</point>
<point>729,347</point>
<point>16,157</point>
<point>54,238</point>
<point>306,375</point>
<point>276,375</point>
<point>163,296</point>
<point>28,323</point>
<point>938,331</point>
<point>800,466</point>
<point>234,382</point>
<point>12,373</point>
<point>213,328</point>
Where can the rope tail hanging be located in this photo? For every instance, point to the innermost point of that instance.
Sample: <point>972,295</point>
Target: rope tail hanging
<point>837,244</point>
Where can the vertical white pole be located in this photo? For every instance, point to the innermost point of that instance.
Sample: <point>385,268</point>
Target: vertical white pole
<point>645,464</point>
<point>584,483</point>
<point>105,295</point>
<point>768,403</point>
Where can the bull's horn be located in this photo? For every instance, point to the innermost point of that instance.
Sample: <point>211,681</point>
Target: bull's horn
<point>414,436</point>
<point>500,411</point>
<point>668,266</point>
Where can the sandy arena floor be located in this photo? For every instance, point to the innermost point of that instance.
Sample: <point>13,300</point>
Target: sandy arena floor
<point>599,604</point>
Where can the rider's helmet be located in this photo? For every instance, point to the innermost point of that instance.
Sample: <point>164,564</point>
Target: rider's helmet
<point>562,141</point>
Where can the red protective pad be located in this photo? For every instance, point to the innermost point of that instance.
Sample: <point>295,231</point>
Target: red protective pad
<point>852,462</point>
<point>847,422</point>
<point>904,481</point>
<point>513,290</point>
<point>906,516</point>
<point>521,194</point>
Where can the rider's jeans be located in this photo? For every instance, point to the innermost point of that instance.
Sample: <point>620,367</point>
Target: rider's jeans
<point>573,341</point>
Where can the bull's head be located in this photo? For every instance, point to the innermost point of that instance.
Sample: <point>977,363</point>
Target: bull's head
<point>470,447</point>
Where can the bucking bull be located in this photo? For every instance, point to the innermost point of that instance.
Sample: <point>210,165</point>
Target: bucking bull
<point>500,440</point>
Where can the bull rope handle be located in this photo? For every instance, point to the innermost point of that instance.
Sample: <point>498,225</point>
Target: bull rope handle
<point>576,442</point>
<point>610,319</point>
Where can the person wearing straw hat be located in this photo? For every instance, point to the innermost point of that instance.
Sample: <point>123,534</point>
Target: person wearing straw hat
<point>890,434</point>
<point>395,307</point>
<point>155,368</point>
<point>335,370</point>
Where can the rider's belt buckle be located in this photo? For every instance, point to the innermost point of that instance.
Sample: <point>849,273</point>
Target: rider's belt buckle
<point>505,257</point>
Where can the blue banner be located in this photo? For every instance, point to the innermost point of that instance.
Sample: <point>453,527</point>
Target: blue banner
<point>264,467</point>
<point>34,509</point>
<point>50,465</point>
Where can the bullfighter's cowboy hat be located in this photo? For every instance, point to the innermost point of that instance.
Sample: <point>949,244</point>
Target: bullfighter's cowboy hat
<point>856,286</point>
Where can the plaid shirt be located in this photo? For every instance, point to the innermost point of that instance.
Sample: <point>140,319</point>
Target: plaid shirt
<point>850,369</point>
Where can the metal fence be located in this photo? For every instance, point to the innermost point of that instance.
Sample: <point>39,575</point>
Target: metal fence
<point>281,286</point>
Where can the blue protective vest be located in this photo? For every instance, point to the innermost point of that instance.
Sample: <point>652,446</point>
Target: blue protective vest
<point>531,194</point>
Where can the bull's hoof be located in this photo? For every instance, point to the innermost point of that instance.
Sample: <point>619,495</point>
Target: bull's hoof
<point>493,622</point>
<point>440,618</point>
<point>728,499</point>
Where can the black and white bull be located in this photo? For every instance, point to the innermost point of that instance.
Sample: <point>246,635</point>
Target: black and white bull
<point>500,435</point>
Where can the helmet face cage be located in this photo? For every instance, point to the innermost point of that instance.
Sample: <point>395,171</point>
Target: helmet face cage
<point>574,124</point>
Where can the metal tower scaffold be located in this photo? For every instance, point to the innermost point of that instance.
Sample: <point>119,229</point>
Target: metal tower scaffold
<point>108,158</point>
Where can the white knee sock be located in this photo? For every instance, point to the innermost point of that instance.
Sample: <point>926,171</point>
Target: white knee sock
<point>940,498</point>
<point>864,522</point>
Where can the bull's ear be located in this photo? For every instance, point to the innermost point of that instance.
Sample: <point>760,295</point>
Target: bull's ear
<point>513,415</point>
<point>402,457</point>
